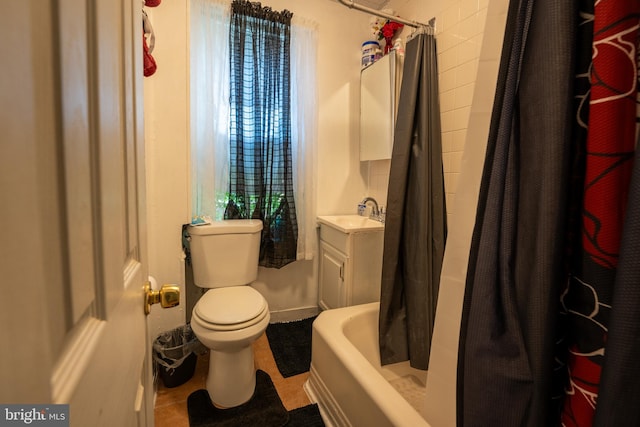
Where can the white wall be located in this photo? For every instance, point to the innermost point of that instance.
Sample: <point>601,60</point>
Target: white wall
<point>459,32</point>
<point>166,115</point>
<point>341,180</point>
<point>469,110</point>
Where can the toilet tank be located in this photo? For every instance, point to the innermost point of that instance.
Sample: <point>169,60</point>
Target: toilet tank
<point>225,253</point>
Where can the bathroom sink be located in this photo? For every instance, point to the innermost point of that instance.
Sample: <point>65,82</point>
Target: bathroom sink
<point>350,223</point>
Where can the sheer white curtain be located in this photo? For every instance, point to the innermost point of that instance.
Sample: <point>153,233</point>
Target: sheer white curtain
<point>304,117</point>
<point>210,115</point>
<point>209,86</point>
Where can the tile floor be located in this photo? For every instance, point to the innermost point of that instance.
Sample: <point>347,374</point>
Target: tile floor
<point>171,403</point>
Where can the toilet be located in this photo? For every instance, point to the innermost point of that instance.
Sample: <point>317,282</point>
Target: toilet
<point>231,315</point>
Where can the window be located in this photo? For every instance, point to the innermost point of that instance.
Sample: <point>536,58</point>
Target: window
<point>213,118</point>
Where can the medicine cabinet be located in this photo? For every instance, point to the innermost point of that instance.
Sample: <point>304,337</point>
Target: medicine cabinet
<point>379,90</point>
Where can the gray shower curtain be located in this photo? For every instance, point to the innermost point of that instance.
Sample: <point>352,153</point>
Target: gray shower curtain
<point>516,271</point>
<point>415,229</point>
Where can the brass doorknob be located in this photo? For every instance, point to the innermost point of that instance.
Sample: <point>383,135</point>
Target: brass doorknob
<point>168,296</point>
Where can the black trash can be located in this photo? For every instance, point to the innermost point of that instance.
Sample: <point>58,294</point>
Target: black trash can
<point>175,354</point>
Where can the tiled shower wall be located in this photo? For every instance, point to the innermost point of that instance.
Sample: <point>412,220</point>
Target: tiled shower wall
<point>459,31</point>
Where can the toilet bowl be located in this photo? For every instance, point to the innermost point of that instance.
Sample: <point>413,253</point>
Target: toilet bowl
<point>228,321</point>
<point>231,315</point>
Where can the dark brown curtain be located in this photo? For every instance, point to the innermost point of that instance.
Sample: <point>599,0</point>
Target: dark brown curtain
<point>261,178</point>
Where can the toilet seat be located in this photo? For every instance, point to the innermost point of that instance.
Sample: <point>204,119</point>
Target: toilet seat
<point>230,309</point>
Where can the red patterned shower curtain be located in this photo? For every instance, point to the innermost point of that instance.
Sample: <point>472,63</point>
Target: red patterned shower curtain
<point>610,149</point>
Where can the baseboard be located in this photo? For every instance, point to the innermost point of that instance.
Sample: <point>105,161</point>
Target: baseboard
<point>293,314</point>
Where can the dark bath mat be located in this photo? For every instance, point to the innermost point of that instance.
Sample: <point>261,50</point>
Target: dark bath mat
<point>290,344</point>
<point>263,409</point>
<point>307,416</point>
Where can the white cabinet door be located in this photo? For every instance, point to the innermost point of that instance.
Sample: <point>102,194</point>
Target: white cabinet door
<point>332,284</point>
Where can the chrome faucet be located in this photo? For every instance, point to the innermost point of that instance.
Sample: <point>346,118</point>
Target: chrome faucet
<point>375,211</point>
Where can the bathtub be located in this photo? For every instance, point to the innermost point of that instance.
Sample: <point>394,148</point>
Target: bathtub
<point>347,380</point>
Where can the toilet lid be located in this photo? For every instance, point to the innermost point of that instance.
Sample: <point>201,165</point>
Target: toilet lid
<point>230,306</point>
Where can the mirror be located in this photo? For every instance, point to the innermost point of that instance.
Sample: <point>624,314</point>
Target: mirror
<point>379,86</point>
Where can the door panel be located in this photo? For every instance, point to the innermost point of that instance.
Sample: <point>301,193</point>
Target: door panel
<point>77,153</point>
<point>73,161</point>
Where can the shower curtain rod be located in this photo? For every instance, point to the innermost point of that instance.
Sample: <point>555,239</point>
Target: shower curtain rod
<point>415,24</point>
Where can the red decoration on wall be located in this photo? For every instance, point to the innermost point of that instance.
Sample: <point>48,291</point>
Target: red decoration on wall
<point>387,32</point>
<point>149,64</point>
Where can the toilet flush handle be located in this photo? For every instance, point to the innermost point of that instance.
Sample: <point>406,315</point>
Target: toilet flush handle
<point>168,296</point>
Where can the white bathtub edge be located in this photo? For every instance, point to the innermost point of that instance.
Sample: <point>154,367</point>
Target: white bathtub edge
<point>329,326</point>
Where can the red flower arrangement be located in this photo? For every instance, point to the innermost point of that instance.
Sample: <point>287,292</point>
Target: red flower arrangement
<point>387,32</point>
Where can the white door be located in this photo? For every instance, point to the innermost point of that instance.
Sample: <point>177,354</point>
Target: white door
<point>72,248</point>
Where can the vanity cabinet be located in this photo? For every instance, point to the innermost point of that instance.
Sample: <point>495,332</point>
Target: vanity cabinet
<point>350,267</point>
